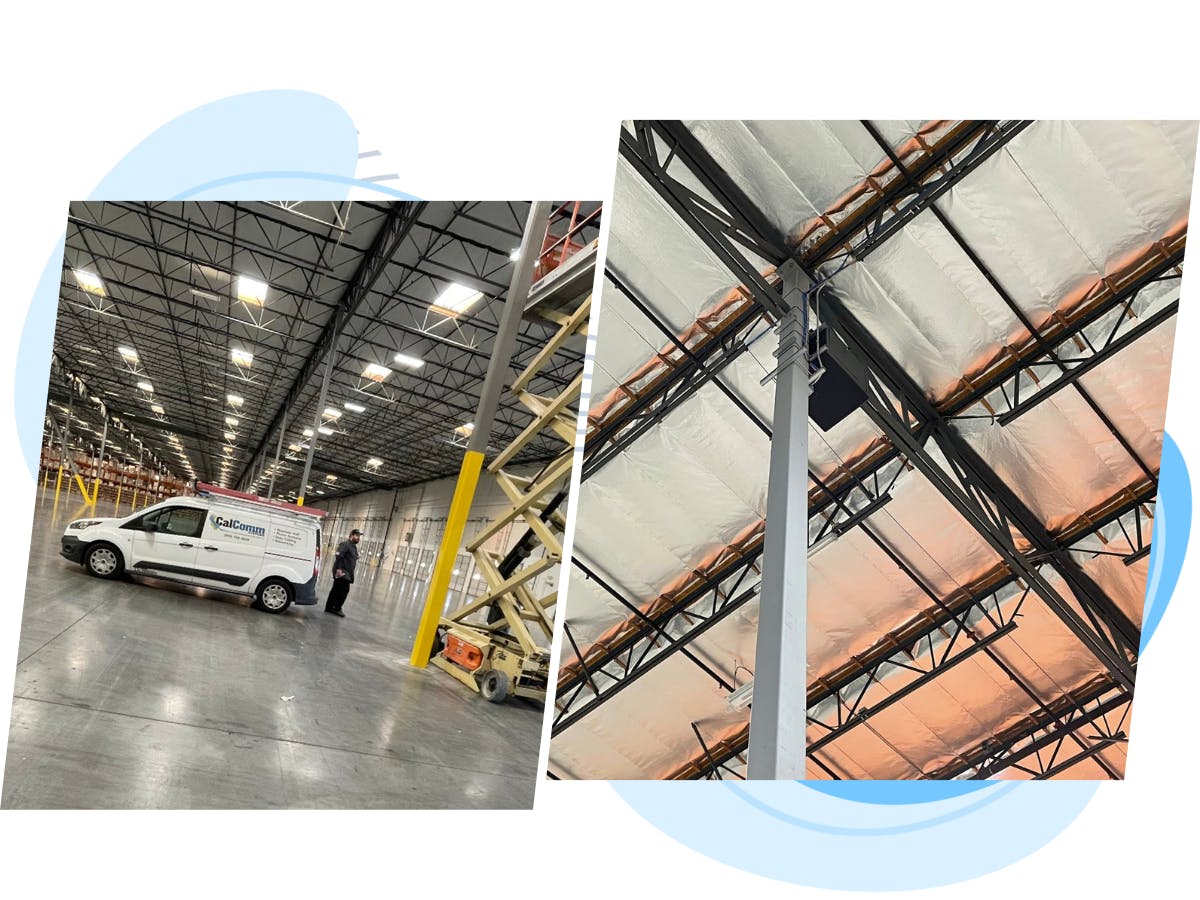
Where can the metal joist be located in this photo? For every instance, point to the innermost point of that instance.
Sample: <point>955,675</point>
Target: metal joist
<point>1082,344</point>
<point>1044,733</point>
<point>908,418</point>
<point>962,150</point>
<point>652,635</point>
<point>598,677</point>
<point>696,367</point>
<point>853,688</point>
<point>652,147</point>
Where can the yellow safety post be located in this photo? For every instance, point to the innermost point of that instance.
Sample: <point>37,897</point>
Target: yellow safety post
<point>58,484</point>
<point>46,480</point>
<point>456,523</point>
<point>117,505</point>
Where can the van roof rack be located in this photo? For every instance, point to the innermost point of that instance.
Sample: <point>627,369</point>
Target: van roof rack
<point>228,495</point>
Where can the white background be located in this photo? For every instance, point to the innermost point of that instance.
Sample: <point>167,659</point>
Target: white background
<point>508,100</point>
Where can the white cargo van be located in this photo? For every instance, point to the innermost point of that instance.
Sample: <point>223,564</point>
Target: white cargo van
<point>220,539</point>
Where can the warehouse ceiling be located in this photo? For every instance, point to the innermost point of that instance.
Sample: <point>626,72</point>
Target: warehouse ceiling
<point>979,529</point>
<point>205,327</point>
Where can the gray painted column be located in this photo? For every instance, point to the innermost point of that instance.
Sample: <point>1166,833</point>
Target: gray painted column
<point>317,418</point>
<point>100,458</point>
<point>778,727</point>
<point>510,320</point>
<point>278,454</point>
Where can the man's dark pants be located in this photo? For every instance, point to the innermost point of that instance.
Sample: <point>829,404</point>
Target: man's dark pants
<point>337,594</point>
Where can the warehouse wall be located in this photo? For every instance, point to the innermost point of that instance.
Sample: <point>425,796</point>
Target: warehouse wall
<point>402,530</point>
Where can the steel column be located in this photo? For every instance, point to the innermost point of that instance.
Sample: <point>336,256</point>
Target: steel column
<point>317,419</point>
<point>278,455</point>
<point>100,457</point>
<point>489,401</point>
<point>778,725</point>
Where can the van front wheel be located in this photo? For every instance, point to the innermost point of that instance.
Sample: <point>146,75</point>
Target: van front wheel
<point>274,595</point>
<point>104,561</point>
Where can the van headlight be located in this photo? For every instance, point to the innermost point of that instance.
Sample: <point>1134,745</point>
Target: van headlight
<point>83,523</point>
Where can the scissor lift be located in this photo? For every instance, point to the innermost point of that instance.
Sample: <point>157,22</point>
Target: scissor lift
<point>488,644</point>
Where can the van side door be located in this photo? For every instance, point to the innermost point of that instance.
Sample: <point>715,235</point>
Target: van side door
<point>165,541</point>
<point>232,546</point>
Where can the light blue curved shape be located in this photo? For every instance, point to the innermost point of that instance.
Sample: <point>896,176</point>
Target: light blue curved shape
<point>715,818</point>
<point>891,836</point>
<point>1172,529</point>
<point>285,144</point>
<point>895,792</point>
<point>263,131</point>
<point>280,184</point>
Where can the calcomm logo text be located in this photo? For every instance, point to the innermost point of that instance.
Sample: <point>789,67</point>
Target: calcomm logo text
<point>236,525</point>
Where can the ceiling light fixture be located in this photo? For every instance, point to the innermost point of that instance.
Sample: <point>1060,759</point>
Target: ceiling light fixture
<point>251,290</point>
<point>742,697</point>
<point>146,386</point>
<point>241,357</point>
<point>374,462</point>
<point>465,430</point>
<point>409,362</point>
<point>376,372</point>
<point>354,407</point>
<point>128,354</point>
<point>235,401</point>
<point>89,281</point>
<point>455,300</point>
<point>331,413</point>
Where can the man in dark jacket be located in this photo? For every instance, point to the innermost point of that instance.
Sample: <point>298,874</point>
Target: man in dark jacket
<point>343,573</point>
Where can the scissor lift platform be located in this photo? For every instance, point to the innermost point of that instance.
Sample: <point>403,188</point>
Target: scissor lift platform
<point>496,652</point>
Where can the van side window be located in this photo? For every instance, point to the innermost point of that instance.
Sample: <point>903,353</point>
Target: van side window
<point>181,521</point>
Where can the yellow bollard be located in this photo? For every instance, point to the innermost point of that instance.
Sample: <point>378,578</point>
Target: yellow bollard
<point>117,505</point>
<point>439,584</point>
<point>58,484</point>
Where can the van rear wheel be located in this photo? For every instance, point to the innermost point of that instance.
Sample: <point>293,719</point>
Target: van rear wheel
<point>274,595</point>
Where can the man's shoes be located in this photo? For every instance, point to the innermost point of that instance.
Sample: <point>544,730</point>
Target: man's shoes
<point>336,612</point>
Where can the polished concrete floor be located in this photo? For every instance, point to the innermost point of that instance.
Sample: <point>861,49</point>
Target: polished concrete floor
<point>144,695</point>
